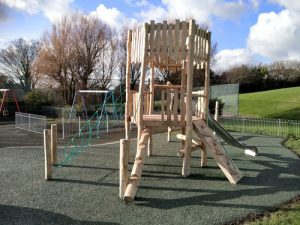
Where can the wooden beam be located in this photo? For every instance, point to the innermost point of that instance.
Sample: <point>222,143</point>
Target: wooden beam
<point>166,87</point>
<point>206,89</point>
<point>152,89</point>
<point>195,141</point>
<point>142,80</point>
<point>150,142</point>
<point>189,126</point>
<point>128,104</point>
<point>47,154</point>
<point>193,149</point>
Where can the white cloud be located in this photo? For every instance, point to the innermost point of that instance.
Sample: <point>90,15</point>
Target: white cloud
<point>53,9</point>
<point>227,59</point>
<point>112,16</point>
<point>139,3</point>
<point>293,5</point>
<point>276,35</point>
<point>201,11</point>
<point>157,13</point>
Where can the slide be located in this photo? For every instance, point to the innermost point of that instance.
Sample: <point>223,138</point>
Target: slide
<point>223,133</point>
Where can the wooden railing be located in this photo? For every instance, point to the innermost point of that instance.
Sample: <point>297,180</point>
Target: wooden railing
<point>173,105</point>
<point>134,102</point>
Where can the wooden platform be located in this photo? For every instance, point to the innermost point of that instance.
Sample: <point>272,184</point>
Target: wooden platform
<point>155,120</point>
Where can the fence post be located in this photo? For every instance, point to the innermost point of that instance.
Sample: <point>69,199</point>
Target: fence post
<point>106,123</point>
<point>63,127</point>
<point>279,128</point>
<point>47,154</point>
<point>53,143</point>
<point>217,111</point>
<point>79,126</point>
<point>28,121</point>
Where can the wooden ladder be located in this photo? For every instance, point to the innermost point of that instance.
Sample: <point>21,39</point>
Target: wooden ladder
<point>224,161</point>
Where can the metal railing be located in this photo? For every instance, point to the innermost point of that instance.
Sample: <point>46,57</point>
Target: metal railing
<point>30,122</point>
<point>271,127</point>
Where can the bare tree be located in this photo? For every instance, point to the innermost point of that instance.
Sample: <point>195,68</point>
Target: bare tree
<point>288,70</point>
<point>78,53</point>
<point>16,61</point>
<point>54,58</point>
<point>90,38</point>
<point>107,64</point>
<point>122,56</point>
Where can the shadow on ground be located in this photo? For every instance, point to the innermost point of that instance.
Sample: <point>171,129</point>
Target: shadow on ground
<point>28,216</point>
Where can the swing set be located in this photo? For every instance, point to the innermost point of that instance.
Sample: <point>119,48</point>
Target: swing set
<point>4,96</point>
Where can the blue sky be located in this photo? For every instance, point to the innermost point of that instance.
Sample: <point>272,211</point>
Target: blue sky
<point>246,31</point>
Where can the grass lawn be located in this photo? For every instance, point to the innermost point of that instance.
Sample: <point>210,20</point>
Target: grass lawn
<point>287,215</point>
<point>294,144</point>
<point>280,103</point>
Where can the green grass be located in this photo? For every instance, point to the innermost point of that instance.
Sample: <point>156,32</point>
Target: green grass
<point>280,103</point>
<point>287,215</point>
<point>294,144</point>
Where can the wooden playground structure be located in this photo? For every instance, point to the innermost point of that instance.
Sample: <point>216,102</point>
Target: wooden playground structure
<point>177,46</point>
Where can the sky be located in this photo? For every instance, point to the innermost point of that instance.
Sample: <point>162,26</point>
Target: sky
<point>246,31</point>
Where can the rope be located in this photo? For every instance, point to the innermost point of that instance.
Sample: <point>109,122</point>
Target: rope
<point>82,140</point>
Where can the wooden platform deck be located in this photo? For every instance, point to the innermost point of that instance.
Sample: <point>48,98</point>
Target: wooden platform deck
<point>155,120</point>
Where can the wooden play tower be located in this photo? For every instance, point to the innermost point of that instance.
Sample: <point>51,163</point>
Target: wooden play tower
<point>177,46</point>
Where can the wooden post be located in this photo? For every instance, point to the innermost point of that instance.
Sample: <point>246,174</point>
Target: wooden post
<point>206,91</point>
<point>47,154</point>
<point>182,100</point>
<point>53,144</point>
<point>150,143</point>
<point>189,125</point>
<point>169,133</point>
<point>136,172</point>
<point>123,166</point>
<point>152,89</point>
<point>142,80</point>
<point>128,72</point>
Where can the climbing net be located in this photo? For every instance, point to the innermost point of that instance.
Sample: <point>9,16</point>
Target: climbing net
<point>111,109</point>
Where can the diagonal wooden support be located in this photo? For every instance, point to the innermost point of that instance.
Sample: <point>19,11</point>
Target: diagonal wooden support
<point>218,152</point>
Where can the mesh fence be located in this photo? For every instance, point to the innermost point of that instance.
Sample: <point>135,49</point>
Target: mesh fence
<point>229,95</point>
<point>271,127</point>
<point>30,122</point>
